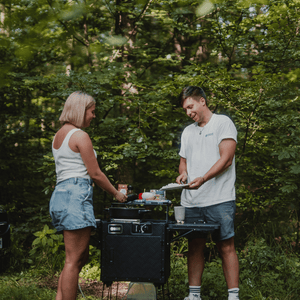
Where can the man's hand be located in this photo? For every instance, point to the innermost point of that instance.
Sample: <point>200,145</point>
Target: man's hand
<point>182,178</point>
<point>196,183</point>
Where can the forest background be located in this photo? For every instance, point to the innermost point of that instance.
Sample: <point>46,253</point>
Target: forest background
<point>134,57</point>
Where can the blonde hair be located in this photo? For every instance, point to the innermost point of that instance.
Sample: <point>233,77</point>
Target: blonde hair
<point>75,107</point>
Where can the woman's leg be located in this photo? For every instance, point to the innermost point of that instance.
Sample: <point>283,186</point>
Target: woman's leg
<point>77,250</point>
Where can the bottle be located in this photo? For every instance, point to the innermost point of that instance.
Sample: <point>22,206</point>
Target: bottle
<point>130,195</point>
<point>129,189</point>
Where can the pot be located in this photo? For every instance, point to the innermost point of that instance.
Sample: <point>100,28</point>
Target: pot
<point>127,213</point>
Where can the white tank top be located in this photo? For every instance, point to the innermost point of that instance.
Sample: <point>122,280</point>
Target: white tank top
<point>68,164</point>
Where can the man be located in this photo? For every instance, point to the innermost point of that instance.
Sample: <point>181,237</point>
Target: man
<point>207,163</point>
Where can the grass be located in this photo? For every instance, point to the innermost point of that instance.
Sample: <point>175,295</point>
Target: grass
<point>24,285</point>
<point>17,287</point>
<point>36,284</point>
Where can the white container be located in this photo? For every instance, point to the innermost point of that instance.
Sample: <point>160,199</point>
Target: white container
<point>179,212</point>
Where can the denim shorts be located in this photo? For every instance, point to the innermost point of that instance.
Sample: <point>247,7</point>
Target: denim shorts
<point>71,205</point>
<point>223,214</point>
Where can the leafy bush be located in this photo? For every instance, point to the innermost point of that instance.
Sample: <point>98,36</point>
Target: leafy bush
<point>213,281</point>
<point>48,249</point>
<point>178,280</point>
<point>268,271</point>
<point>17,258</point>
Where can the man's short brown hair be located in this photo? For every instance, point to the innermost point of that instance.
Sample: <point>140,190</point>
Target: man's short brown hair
<point>191,91</point>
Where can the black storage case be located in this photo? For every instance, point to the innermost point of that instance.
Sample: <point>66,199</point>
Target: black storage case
<point>135,251</point>
<point>4,230</point>
<point>4,239</point>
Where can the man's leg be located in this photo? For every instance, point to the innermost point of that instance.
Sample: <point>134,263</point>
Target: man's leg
<point>230,262</point>
<point>196,261</point>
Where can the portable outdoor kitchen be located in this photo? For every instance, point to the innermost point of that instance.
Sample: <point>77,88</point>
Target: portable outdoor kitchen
<point>136,248</point>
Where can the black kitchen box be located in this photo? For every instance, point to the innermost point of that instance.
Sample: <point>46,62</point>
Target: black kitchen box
<point>135,251</point>
<point>4,239</point>
<point>4,230</point>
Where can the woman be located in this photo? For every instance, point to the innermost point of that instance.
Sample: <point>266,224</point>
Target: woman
<point>71,204</point>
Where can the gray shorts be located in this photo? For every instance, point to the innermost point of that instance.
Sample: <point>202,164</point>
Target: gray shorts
<point>223,214</point>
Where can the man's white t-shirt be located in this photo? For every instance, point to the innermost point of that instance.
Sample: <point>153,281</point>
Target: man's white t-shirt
<point>200,148</point>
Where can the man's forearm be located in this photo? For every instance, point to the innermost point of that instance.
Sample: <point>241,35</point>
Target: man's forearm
<point>182,171</point>
<point>219,167</point>
<point>227,150</point>
<point>182,166</point>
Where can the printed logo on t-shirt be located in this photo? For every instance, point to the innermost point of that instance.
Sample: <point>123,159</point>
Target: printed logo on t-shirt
<point>209,134</point>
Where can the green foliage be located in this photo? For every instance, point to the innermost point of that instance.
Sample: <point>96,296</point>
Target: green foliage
<point>48,254</point>
<point>213,273</point>
<point>47,249</point>
<point>48,169</point>
<point>178,281</point>
<point>23,286</point>
<point>22,235</point>
<point>17,257</point>
<point>270,271</point>
<point>266,272</point>
<point>15,291</point>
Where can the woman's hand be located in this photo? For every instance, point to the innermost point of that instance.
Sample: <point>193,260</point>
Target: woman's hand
<point>120,197</point>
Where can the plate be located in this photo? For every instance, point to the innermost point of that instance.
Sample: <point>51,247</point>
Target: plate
<point>173,186</point>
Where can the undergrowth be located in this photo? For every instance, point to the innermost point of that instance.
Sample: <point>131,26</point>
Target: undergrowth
<point>265,273</point>
<point>268,271</point>
<point>23,286</point>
